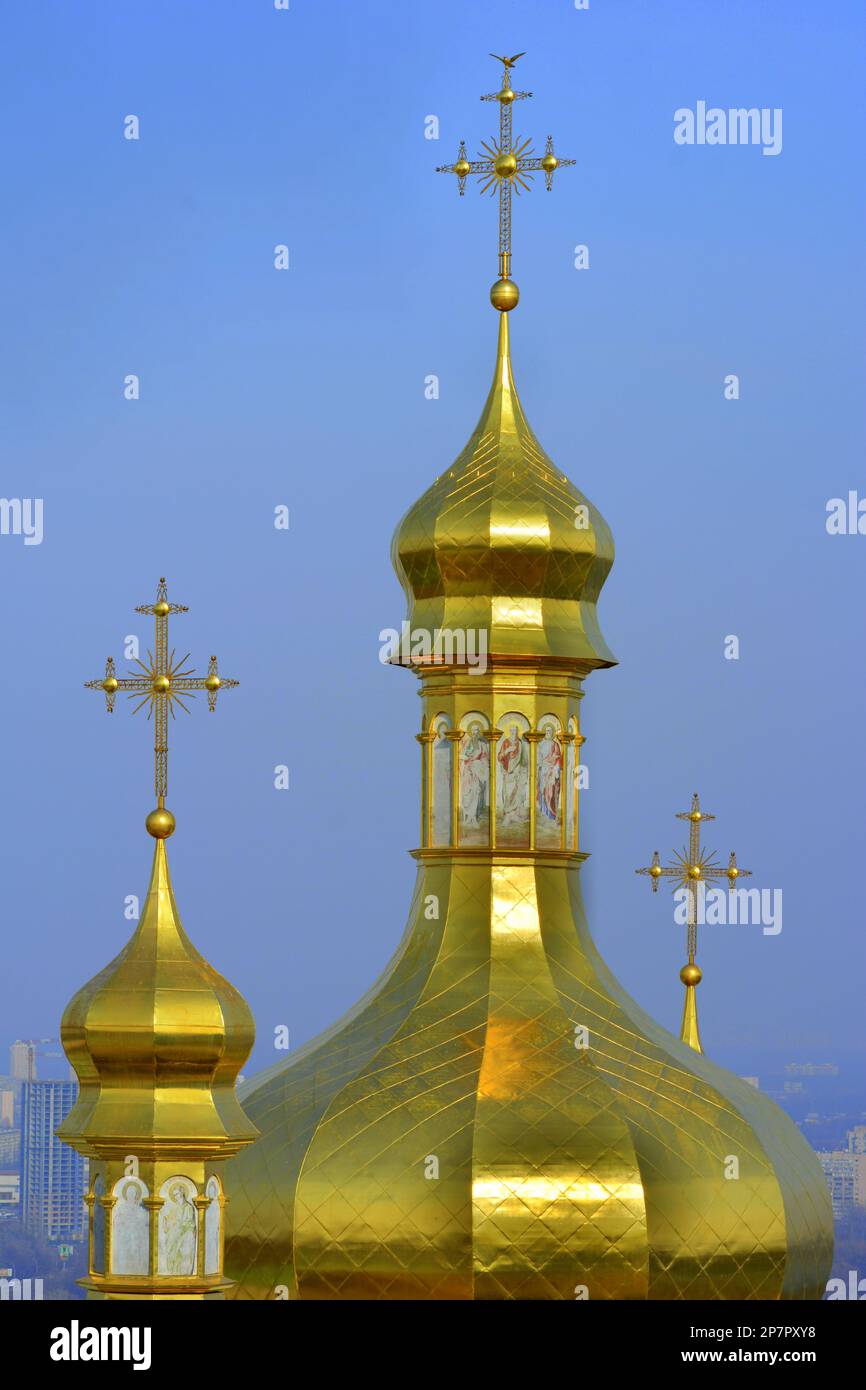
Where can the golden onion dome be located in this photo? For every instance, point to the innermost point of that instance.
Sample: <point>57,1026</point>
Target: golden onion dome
<point>503,543</point>
<point>157,1040</point>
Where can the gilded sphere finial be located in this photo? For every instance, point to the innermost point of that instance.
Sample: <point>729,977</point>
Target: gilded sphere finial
<point>161,685</point>
<point>160,823</point>
<point>505,164</point>
<point>691,974</point>
<point>504,295</point>
<point>549,162</point>
<point>212,682</point>
<point>506,96</point>
<point>109,685</point>
<point>162,609</point>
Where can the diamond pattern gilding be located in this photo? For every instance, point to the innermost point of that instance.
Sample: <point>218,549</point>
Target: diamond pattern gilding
<point>557,1167</point>
<point>499,527</point>
<point>556,1187</point>
<point>447,1139</point>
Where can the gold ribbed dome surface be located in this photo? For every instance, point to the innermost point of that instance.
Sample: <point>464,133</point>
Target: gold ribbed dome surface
<point>603,1172</point>
<point>496,1118</point>
<point>157,1039</point>
<point>503,543</point>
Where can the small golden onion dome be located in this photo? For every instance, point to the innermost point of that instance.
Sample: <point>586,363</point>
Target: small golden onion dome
<point>504,545</point>
<point>157,1040</point>
<point>691,974</point>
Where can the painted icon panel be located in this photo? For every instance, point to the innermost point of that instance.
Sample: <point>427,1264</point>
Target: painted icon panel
<point>548,784</point>
<point>178,1227</point>
<point>130,1228</point>
<point>441,759</point>
<point>474,765</point>
<point>212,1223</point>
<point>512,782</point>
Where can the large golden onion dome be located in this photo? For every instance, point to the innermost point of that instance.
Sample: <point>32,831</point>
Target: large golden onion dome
<point>157,1040</point>
<point>503,543</point>
<point>496,1118</point>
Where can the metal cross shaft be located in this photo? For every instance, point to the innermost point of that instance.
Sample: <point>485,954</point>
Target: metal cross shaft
<point>164,682</point>
<point>505,167</point>
<point>693,867</point>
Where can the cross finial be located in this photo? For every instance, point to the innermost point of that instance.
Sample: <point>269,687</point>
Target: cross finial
<point>693,866</point>
<point>164,683</point>
<point>505,167</point>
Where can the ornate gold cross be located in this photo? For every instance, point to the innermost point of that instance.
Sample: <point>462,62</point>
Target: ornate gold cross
<point>505,167</point>
<point>164,682</point>
<point>693,867</point>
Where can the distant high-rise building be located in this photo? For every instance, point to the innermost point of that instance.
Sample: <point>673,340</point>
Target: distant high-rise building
<point>857,1140</point>
<point>52,1174</point>
<point>811,1069</point>
<point>7,1107</point>
<point>10,1150</point>
<point>22,1061</point>
<point>845,1171</point>
<point>10,1189</point>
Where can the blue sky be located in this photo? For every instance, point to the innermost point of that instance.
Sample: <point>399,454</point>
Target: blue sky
<point>306,388</point>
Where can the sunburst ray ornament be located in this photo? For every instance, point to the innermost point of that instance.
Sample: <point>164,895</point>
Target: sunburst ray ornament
<point>164,682</point>
<point>505,166</point>
<point>692,867</point>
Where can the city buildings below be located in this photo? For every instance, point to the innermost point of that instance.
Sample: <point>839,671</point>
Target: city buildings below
<point>10,1193</point>
<point>8,1089</point>
<point>53,1175</point>
<point>857,1140</point>
<point>22,1060</point>
<point>812,1069</point>
<point>10,1150</point>
<point>845,1171</point>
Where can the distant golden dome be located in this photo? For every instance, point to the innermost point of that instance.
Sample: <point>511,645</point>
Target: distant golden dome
<point>503,542</point>
<point>156,1027</point>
